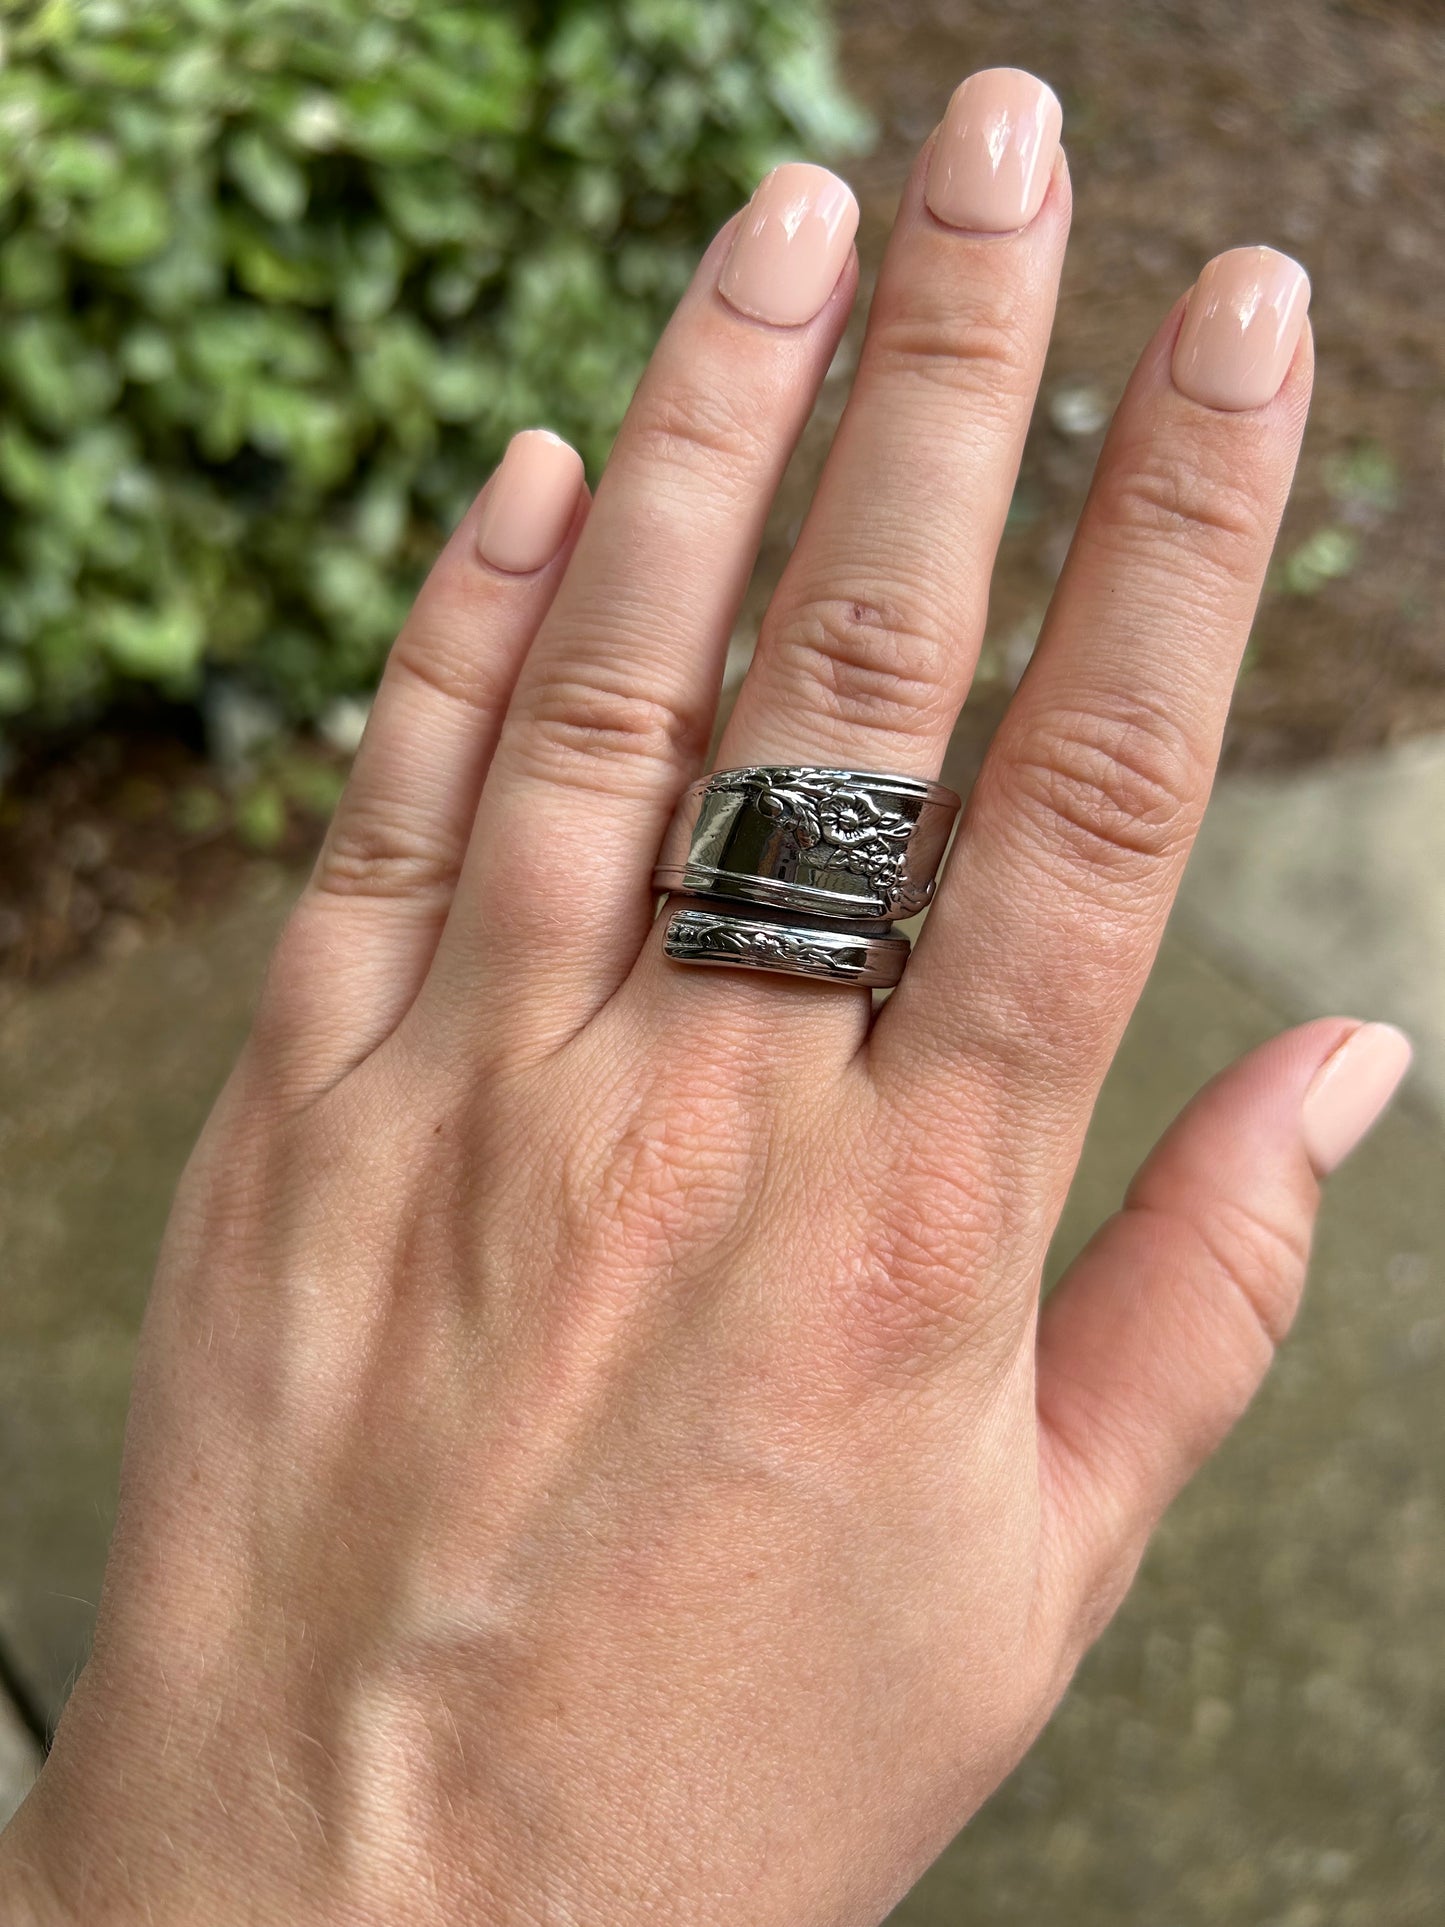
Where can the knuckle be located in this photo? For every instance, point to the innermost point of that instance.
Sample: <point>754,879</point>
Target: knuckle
<point>676,1182</point>
<point>1203,497</point>
<point>661,1185</point>
<point>1260,1256</point>
<point>918,1271</point>
<point>865,666</point>
<point>1114,789</point>
<point>717,431</point>
<point>439,665</point>
<point>374,852</point>
<point>922,1293</point>
<point>979,350</point>
<point>585,730</point>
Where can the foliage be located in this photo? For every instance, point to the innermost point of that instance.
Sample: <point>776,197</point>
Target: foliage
<point>278,279</point>
<point>1320,559</point>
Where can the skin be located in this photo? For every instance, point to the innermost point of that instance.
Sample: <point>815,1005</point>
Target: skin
<point>596,1454</point>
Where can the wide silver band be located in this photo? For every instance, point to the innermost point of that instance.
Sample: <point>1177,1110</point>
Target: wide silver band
<point>741,939</point>
<point>852,844</point>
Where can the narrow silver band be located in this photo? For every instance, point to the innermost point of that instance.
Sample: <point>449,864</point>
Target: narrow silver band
<point>744,940</point>
<point>856,845</point>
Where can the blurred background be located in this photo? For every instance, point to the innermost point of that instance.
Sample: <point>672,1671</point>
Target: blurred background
<point>276,284</point>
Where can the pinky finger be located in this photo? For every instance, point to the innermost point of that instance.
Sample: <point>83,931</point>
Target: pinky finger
<point>1159,1334</point>
<point>359,942</point>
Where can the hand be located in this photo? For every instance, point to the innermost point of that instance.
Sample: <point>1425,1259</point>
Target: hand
<point>595,1454</point>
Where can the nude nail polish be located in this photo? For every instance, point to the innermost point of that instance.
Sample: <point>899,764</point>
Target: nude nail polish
<point>995,152</point>
<point>792,241</point>
<point>1243,323</point>
<point>1350,1091</point>
<point>530,505</point>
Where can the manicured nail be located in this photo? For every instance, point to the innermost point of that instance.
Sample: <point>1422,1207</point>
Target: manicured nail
<point>995,152</point>
<point>1349,1092</point>
<point>1241,328</point>
<point>531,502</point>
<point>790,246</point>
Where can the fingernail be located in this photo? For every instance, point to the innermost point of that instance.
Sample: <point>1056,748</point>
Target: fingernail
<point>1349,1092</point>
<point>1241,328</point>
<point>995,152</point>
<point>791,244</point>
<point>529,507</point>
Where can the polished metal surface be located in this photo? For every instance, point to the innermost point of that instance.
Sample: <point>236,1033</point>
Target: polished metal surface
<point>745,940</point>
<point>837,843</point>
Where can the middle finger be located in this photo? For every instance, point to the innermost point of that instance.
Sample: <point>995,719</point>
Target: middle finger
<point>872,638</point>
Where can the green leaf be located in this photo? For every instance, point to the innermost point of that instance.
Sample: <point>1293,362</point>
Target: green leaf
<point>380,517</point>
<point>59,378</point>
<point>17,686</point>
<point>314,787</point>
<point>385,126</point>
<point>273,183</point>
<point>372,261</point>
<point>81,166</point>
<point>461,387</point>
<point>261,817</point>
<point>129,225</point>
<point>196,810</point>
<point>190,271</point>
<point>1323,558</point>
<point>25,470</point>
<point>147,354</point>
<point>161,642</point>
<point>1367,477</point>
<point>431,207</point>
<point>280,272</point>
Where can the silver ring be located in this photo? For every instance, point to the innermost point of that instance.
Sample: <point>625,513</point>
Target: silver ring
<point>835,843</point>
<point>744,940</point>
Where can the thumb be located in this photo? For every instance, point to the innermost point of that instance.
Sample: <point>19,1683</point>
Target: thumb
<point>1159,1334</point>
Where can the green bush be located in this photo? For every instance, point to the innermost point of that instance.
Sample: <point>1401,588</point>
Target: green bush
<point>277,280</point>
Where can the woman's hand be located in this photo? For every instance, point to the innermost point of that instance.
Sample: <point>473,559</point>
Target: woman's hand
<point>596,1456</point>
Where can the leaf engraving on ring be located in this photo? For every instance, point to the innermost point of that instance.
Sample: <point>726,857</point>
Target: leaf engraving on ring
<point>694,936</point>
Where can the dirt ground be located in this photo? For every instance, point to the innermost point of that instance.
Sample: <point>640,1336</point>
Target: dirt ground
<point>1316,126</point>
<point>1192,125</point>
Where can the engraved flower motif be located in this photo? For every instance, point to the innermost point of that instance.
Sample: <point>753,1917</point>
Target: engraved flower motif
<point>845,828</point>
